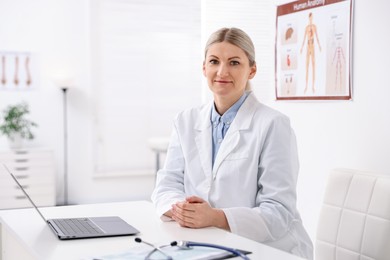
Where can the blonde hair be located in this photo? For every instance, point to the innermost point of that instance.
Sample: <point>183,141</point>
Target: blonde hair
<point>236,37</point>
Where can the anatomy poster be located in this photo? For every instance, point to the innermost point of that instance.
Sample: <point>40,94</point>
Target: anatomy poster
<point>17,71</point>
<point>313,50</point>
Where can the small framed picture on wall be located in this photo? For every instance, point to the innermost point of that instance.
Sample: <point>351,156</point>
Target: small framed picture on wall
<point>313,50</point>
<point>17,71</point>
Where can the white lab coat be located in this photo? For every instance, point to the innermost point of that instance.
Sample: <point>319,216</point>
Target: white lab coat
<point>253,179</point>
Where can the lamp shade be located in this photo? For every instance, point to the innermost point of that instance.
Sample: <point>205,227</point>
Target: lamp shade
<point>63,80</point>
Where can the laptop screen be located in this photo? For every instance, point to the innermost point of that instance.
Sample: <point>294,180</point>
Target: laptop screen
<point>25,193</point>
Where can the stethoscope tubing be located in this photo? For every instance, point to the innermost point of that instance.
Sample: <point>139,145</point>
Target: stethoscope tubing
<point>231,250</point>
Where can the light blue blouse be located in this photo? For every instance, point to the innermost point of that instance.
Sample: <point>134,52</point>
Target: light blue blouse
<point>222,123</point>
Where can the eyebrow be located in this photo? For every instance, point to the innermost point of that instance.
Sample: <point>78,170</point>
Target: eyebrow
<point>235,57</point>
<point>231,58</point>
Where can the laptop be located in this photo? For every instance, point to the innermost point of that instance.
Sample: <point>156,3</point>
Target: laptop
<point>88,227</point>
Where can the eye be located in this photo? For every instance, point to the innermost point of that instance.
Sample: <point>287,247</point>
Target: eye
<point>213,61</point>
<point>234,62</point>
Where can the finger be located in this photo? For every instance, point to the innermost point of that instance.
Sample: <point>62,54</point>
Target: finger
<point>194,199</point>
<point>183,205</point>
<point>193,220</point>
<point>182,222</point>
<point>184,215</point>
<point>183,209</point>
<point>186,206</point>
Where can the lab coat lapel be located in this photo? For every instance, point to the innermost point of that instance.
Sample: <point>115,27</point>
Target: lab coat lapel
<point>203,139</point>
<point>242,121</point>
<point>227,146</point>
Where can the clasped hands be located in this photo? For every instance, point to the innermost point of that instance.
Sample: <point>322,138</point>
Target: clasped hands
<point>195,212</point>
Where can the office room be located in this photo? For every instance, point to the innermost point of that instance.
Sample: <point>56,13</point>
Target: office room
<point>103,81</point>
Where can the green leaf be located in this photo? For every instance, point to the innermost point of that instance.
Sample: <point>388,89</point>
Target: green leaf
<point>15,121</point>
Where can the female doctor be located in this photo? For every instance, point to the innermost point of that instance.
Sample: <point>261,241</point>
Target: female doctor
<point>233,163</point>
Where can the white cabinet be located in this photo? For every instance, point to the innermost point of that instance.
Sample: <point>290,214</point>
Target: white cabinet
<point>35,170</point>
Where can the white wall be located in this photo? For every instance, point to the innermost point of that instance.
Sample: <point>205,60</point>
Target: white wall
<point>58,32</point>
<point>350,134</point>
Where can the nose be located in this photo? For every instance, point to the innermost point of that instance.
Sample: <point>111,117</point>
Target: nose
<point>222,70</point>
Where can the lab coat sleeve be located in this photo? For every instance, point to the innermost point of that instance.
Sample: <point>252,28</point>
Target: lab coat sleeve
<point>275,210</point>
<point>170,179</point>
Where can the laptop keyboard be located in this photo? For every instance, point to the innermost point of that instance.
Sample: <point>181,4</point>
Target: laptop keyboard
<point>75,226</point>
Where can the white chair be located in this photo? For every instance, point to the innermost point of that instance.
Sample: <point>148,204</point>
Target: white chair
<point>354,222</point>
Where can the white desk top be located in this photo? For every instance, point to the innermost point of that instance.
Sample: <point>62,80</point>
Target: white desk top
<point>37,238</point>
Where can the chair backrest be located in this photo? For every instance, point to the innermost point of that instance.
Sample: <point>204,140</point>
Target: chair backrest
<point>354,222</point>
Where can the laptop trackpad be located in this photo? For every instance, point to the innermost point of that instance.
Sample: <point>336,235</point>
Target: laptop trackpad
<point>114,225</point>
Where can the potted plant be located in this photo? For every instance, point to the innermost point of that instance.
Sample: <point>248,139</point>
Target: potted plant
<point>16,126</point>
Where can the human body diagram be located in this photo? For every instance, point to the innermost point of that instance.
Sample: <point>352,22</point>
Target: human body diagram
<point>310,34</point>
<point>338,61</point>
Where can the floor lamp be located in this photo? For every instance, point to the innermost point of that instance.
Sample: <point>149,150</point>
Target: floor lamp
<point>64,91</point>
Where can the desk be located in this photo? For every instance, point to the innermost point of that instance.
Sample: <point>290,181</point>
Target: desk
<point>26,236</point>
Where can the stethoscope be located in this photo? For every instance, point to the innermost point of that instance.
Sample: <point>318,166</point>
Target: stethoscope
<point>186,245</point>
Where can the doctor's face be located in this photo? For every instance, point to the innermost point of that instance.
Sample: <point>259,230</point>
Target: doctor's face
<point>227,70</point>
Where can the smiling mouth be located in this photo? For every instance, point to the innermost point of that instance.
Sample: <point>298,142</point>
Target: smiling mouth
<point>223,81</point>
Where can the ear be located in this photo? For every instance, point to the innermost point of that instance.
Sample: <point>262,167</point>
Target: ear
<point>253,71</point>
<point>204,69</point>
